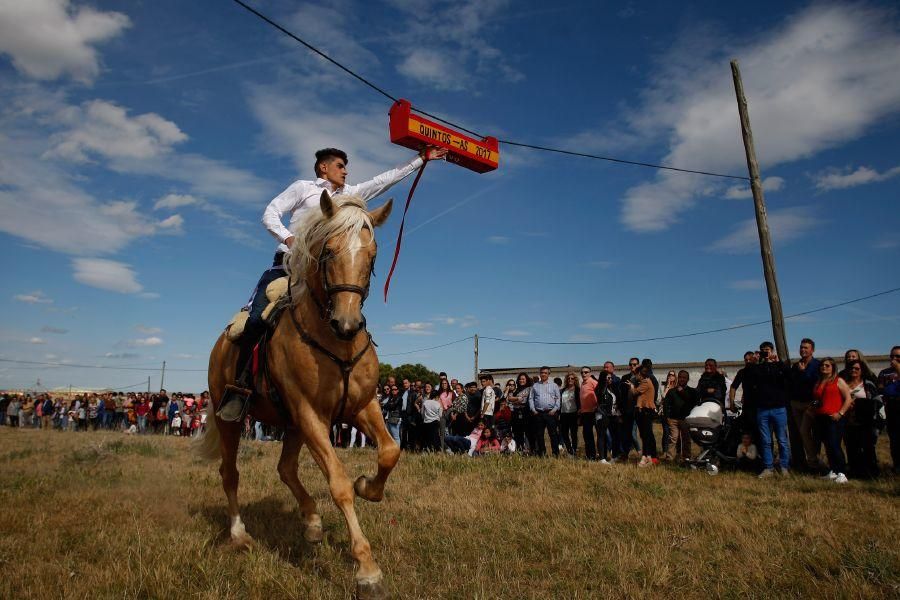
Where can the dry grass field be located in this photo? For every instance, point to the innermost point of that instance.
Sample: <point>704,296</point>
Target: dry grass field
<point>104,515</point>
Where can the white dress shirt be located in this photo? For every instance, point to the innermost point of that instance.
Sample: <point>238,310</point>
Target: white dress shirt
<point>302,196</point>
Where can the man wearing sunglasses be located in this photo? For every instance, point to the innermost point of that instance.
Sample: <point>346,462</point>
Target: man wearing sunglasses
<point>889,387</point>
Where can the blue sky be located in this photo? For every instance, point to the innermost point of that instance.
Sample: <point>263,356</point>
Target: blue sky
<point>140,142</point>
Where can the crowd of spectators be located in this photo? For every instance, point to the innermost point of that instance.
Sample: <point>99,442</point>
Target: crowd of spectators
<point>802,407</point>
<point>138,413</point>
<point>785,411</point>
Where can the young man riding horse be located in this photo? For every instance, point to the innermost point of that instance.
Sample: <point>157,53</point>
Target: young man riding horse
<point>301,196</point>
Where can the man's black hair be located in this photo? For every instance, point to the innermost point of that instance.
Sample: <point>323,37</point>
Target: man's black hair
<point>808,341</point>
<point>326,155</point>
<point>768,345</point>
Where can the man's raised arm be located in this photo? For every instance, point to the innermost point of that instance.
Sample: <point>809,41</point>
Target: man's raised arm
<point>381,183</point>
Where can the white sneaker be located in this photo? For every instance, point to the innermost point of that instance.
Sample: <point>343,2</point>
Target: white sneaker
<point>840,478</point>
<point>831,475</point>
<point>766,474</point>
<point>605,462</point>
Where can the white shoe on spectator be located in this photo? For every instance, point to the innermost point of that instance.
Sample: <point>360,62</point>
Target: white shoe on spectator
<point>603,461</point>
<point>840,478</point>
<point>831,475</point>
<point>766,474</point>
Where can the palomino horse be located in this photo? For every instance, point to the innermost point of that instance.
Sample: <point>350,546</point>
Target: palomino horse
<point>324,367</point>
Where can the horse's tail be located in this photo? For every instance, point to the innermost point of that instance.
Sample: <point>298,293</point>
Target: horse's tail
<point>206,446</point>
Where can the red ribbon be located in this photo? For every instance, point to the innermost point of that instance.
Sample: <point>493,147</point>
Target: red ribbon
<point>387,283</point>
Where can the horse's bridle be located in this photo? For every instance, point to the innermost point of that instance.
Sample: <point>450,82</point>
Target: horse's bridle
<point>326,309</point>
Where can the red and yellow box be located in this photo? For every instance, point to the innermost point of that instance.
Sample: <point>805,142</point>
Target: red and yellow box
<point>413,131</point>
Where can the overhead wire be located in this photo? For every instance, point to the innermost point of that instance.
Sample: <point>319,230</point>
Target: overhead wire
<point>690,334</point>
<point>393,98</point>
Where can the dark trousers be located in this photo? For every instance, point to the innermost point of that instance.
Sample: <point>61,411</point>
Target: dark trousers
<point>587,432</point>
<point>431,436</point>
<point>859,437</point>
<point>645,418</point>
<point>892,408</point>
<point>666,435</point>
<point>626,441</point>
<point>531,432</point>
<point>591,426</point>
<point>542,422</point>
<point>831,432</point>
<point>568,426</point>
<point>519,427</point>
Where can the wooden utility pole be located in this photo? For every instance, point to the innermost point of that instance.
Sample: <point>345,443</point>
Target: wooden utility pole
<point>148,384</point>
<point>162,378</point>
<point>762,225</point>
<point>475,378</point>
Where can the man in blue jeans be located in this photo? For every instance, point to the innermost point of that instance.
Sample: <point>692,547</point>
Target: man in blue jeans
<point>769,380</point>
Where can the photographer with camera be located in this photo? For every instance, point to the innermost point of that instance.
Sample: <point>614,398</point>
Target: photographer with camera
<point>769,379</point>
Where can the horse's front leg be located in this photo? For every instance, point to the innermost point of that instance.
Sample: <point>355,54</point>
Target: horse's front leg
<point>371,422</point>
<point>287,470</point>
<point>368,574</point>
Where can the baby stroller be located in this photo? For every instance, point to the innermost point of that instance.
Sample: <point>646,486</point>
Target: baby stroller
<point>716,434</point>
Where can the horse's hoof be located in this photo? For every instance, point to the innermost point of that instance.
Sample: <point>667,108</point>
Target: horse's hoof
<point>361,487</point>
<point>313,533</point>
<point>370,589</point>
<point>243,542</point>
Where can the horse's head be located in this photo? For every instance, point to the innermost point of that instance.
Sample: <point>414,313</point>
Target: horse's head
<point>343,241</point>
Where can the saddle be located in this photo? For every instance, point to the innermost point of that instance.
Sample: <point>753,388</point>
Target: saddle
<point>277,295</point>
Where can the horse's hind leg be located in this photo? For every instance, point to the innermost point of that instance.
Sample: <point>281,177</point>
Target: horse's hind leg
<point>370,421</point>
<point>368,574</point>
<point>287,470</point>
<point>230,438</point>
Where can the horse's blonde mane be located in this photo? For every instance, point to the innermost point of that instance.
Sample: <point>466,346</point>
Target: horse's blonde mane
<point>314,229</point>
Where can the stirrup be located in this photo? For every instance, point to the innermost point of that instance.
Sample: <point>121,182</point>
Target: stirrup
<point>235,402</point>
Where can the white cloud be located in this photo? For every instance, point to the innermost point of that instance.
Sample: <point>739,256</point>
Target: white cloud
<point>598,325</point>
<point>173,201</point>
<point>106,275</point>
<point>464,321</point>
<point>813,82</point>
<point>41,198</point>
<point>101,128</point>
<point>49,38</point>
<point>172,224</point>
<point>422,328</point>
<point>748,284</point>
<point>742,191</point>
<point>784,225</point>
<point>147,330</point>
<point>434,68</point>
<point>185,356</point>
<point>447,44</point>
<point>56,330</point>
<point>296,124</point>
<point>119,355</point>
<point>498,239</point>
<point>36,340</point>
<point>836,179</point>
<point>35,297</point>
<point>150,341</point>
<point>601,264</point>
<point>515,333</point>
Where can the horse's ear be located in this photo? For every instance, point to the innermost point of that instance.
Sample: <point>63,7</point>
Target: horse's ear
<point>381,214</point>
<point>326,204</point>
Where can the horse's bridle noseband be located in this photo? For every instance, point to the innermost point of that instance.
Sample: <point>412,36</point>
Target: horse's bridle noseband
<point>326,310</point>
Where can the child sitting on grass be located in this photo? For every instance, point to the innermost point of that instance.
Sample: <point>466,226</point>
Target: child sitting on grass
<point>488,443</point>
<point>747,456</point>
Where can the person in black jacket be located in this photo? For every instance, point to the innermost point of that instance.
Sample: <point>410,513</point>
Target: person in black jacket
<point>626,407</point>
<point>769,380</point>
<point>676,407</point>
<point>712,383</point>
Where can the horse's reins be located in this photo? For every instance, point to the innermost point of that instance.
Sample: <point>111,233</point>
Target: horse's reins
<point>346,366</point>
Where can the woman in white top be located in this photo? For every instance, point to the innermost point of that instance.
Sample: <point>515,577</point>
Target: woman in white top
<point>431,419</point>
<point>570,400</point>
